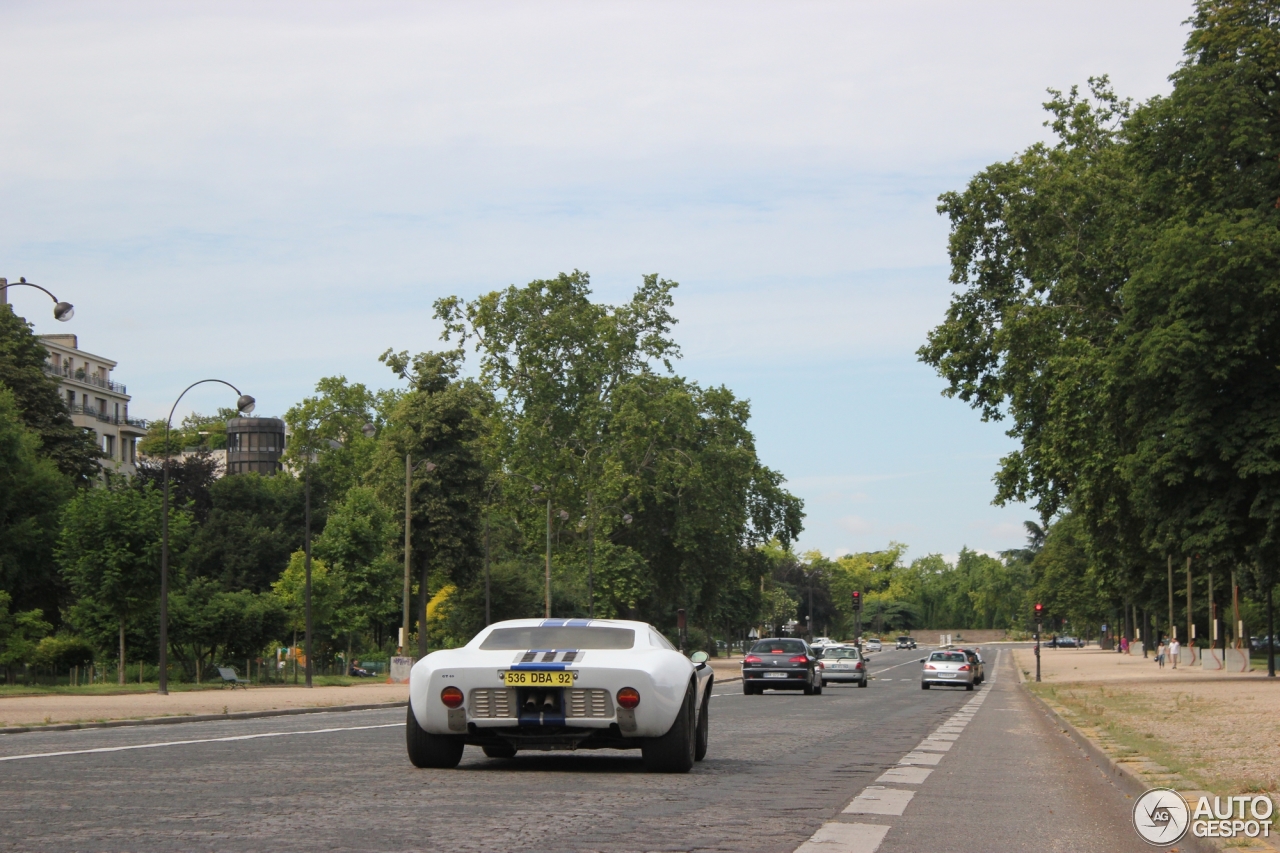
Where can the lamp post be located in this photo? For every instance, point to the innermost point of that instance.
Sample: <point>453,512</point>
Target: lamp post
<point>428,466</point>
<point>809,576</point>
<point>244,404</point>
<point>62,311</point>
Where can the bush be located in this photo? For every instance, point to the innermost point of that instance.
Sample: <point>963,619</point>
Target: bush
<point>63,651</point>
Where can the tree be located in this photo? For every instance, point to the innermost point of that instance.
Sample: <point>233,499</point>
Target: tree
<point>653,481</point>
<point>440,420</point>
<point>109,554</point>
<point>32,492</point>
<point>22,371</point>
<point>254,524</point>
<point>355,544</point>
<point>19,634</point>
<point>208,623</point>
<point>327,594</point>
<point>191,480</point>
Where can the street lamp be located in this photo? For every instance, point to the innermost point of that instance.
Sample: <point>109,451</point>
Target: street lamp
<point>428,466</point>
<point>245,405</point>
<point>62,311</point>
<point>368,430</point>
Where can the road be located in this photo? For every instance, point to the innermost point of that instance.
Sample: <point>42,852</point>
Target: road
<point>780,773</point>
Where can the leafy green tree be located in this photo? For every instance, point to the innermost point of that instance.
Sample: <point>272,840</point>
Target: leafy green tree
<point>356,543</point>
<point>191,480</point>
<point>652,480</point>
<point>32,492</point>
<point>20,632</point>
<point>440,420</point>
<point>254,524</point>
<point>109,554</point>
<point>209,624</point>
<point>22,362</point>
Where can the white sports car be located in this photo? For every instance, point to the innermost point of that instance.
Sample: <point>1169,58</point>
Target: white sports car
<point>542,684</point>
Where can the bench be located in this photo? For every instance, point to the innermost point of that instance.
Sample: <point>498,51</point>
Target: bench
<point>229,676</point>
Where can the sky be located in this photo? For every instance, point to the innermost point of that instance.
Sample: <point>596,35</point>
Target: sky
<point>272,193</point>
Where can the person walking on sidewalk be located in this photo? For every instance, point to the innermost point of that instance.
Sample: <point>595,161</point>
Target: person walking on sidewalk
<point>1124,645</point>
<point>1175,648</point>
<point>1160,654</point>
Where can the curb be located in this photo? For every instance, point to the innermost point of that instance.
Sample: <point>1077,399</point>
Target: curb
<point>1124,778</point>
<point>199,718</point>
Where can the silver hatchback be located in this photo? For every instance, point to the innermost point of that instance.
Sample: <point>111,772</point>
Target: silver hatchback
<point>843,663</point>
<point>946,667</point>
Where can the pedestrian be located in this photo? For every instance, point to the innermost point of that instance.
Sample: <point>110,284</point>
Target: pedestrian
<point>1160,654</point>
<point>1175,649</point>
<point>1124,645</point>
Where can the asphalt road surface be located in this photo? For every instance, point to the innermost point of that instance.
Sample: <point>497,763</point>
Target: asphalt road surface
<point>984,771</point>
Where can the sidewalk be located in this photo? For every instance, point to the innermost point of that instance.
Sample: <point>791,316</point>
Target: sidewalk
<point>63,708</point>
<point>1096,665</point>
<point>47,709</point>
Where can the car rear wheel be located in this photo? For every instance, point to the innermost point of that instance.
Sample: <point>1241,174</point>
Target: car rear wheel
<point>674,751</point>
<point>748,688</point>
<point>428,750</point>
<point>924,685</point>
<point>704,728</point>
<point>504,750</point>
<point>862,683</point>
<point>969,686</point>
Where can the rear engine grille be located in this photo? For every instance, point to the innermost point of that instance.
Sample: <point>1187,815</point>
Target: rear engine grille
<point>589,702</point>
<point>493,702</point>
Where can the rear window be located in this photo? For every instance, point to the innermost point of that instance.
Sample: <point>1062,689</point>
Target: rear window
<point>538,637</point>
<point>949,657</point>
<point>778,647</point>
<point>837,652</point>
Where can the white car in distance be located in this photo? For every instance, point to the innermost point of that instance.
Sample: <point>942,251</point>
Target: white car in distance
<point>561,684</point>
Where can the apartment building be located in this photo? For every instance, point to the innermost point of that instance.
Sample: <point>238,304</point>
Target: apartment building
<point>96,401</point>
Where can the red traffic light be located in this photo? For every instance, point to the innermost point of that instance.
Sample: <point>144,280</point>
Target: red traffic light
<point>1039,609</point>
<point>857,599</point>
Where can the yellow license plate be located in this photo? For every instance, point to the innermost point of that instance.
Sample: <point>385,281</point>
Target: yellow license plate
<point>537,678</point>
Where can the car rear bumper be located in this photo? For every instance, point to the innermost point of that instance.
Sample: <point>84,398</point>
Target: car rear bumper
<point>829,677</point>
<point>936,680</point>
<point>789,683</point>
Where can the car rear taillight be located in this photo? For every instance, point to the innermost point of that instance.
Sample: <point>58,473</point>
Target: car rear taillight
<point>858,665</point>
<point>451,697</point>
<point>798,659</point>
<point>752,659</point>
<point>964,667</point>
<point>628,697</point>
<point>821,665</point>
<point>929,666</point>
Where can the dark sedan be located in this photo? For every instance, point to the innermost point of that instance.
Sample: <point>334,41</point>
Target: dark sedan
<point>786,663</point>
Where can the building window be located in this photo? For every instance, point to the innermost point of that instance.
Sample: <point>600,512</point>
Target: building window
<point>71,399</point>
<point>109,446</point>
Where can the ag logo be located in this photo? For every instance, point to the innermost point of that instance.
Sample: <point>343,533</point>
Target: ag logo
<point>1161,817</point>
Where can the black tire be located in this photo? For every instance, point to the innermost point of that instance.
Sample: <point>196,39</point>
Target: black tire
<point>428,750</point>
<point>924,685</point>
<point>674,751</point>
<point>504,750</point>
<point>862,683</point>
<point>747,688</point>
<point>703,737</point>
<point>808,686</point>
<point>817,687</point>
<point>968,686</point>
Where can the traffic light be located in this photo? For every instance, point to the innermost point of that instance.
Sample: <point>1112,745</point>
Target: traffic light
<point>857,601</point>
<point>1039,611</point>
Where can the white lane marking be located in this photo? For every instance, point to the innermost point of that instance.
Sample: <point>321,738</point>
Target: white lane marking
<point>895,666</point>
<point>188,742</point>
<point>905,775</point>
<point>941,735</point>
<point>845,838</point>
<point>931,745</point>
<point>930,758</point>
<point>876,799</point>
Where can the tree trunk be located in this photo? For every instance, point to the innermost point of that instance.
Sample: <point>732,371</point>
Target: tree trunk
<point>1271,635</point>
<point>121,668</point>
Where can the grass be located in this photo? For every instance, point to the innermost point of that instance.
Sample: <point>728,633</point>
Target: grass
<point>128,688</point>
<point>1164,729</point>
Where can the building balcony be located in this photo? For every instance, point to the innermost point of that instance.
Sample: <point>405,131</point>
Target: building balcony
<point>81,376</point>
<point>92,412</point>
